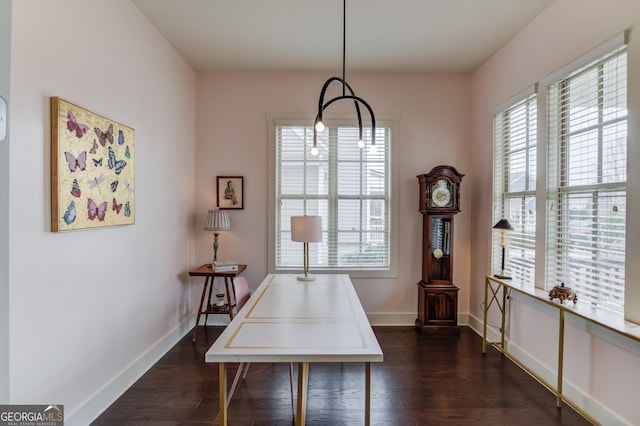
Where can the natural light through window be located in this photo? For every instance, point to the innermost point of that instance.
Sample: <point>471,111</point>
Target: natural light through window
<point>349,187</point>
<point>586,205</point>
<point>515,139</point>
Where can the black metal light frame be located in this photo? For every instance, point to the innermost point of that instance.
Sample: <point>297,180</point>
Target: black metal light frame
<point>322,105</point>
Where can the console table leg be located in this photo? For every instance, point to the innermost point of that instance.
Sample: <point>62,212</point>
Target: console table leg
<point>206,315</point>
<point>204,292</point>
<point>560,357</point>
<point>485,309</point>
<point>229,304</point>
<point>367,394</point>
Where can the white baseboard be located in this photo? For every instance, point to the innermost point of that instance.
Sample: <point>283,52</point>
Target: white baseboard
<point>391,318</point>
<point>111,391</point>
<point>403,319</point>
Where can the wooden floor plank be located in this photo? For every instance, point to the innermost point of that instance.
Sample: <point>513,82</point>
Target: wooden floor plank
<point>424,380</point>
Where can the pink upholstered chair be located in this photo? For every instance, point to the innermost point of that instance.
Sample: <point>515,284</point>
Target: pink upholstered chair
<point>242,294</point>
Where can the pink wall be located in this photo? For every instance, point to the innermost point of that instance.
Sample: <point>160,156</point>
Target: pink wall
<point>233,140</point>
<point>89,309</point>
<point>562,33</point>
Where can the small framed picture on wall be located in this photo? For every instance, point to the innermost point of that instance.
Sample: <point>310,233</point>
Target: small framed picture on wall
<point>230,192</point>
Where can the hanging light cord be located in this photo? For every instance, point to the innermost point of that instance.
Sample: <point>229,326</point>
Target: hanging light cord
<point>344,44</point>
<point>318,124</point>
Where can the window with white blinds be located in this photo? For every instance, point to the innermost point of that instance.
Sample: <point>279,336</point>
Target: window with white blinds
<point>587,166</point>
<point>349,187</point>
<point>514,187</point>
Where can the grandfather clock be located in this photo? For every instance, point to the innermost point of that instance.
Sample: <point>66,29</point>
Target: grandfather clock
<point>437,295</point>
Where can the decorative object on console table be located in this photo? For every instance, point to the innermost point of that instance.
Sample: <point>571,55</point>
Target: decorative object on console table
<point>306,229</point>
<point>437,295</point>
<point>503,225</point>
<point>224,266</point>
<point>563,293</point>
<point>219,306</point>
<point>216,221</point>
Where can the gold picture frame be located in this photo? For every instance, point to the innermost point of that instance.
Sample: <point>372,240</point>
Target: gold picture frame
<point>92,169</point>
<point>230,191</point>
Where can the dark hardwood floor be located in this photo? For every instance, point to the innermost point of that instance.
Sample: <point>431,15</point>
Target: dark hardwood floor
<point>424,380</point>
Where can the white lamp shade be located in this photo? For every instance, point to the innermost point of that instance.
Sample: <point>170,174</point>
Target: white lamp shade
<point>217,221</point>
<point>306,229</point>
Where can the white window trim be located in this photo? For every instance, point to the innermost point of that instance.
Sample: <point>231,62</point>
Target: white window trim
<point>557,191</point>
<point>498,109</point>
<point>608,46</point>
<point>632,296</point>
<point>632,289</point>
<point>393,121</point>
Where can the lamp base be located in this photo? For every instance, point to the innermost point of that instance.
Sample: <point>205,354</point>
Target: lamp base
<point>502,277</point>
<point>308,277</point>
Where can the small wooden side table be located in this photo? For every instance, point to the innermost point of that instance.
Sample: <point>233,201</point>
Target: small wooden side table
<point>209,274</point>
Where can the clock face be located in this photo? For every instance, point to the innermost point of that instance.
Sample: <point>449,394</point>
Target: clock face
<point>441,194</point>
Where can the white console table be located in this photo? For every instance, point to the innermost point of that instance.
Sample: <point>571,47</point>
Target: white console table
<point>496,291</point>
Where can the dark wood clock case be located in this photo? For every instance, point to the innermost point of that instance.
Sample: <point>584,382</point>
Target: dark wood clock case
<point>437,294</point>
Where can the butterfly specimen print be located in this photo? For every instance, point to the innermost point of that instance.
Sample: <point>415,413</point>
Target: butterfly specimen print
<point>105,136</point>
<point>118,165</point>
<point>127,187</point>
<point>75,189</point>
<point>92,169</point>
<point>76,163</point>
<point>70,215</point>
<point>115,206</point>
<point>96,181</point>
<point>95,210</point>
<point>74,126</point>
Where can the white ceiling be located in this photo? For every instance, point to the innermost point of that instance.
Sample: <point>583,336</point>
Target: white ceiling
<point>434,36</point>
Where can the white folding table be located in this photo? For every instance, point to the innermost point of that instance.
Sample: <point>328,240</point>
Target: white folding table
<point>287,320</point>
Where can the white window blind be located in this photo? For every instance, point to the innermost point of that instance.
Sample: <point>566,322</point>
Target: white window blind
<point>514,194</point>
<point>348,186</point>
<point>586,199</point>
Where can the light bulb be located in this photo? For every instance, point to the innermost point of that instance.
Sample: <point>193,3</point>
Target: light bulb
<point>314,150</point>
<point>360,143</point>
<point>319,126</point>
<point>373,149</point>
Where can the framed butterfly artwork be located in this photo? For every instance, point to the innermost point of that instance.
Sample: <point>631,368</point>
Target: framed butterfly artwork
<point>92,169</point>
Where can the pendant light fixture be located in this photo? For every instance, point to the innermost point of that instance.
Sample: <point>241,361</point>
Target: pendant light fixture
<point>322,105</point>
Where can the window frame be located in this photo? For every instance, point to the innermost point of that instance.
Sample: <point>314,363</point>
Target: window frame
<point>631,309</point>
<point>502,193</point>
<point>560,191</point>
<point>275,120</point>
